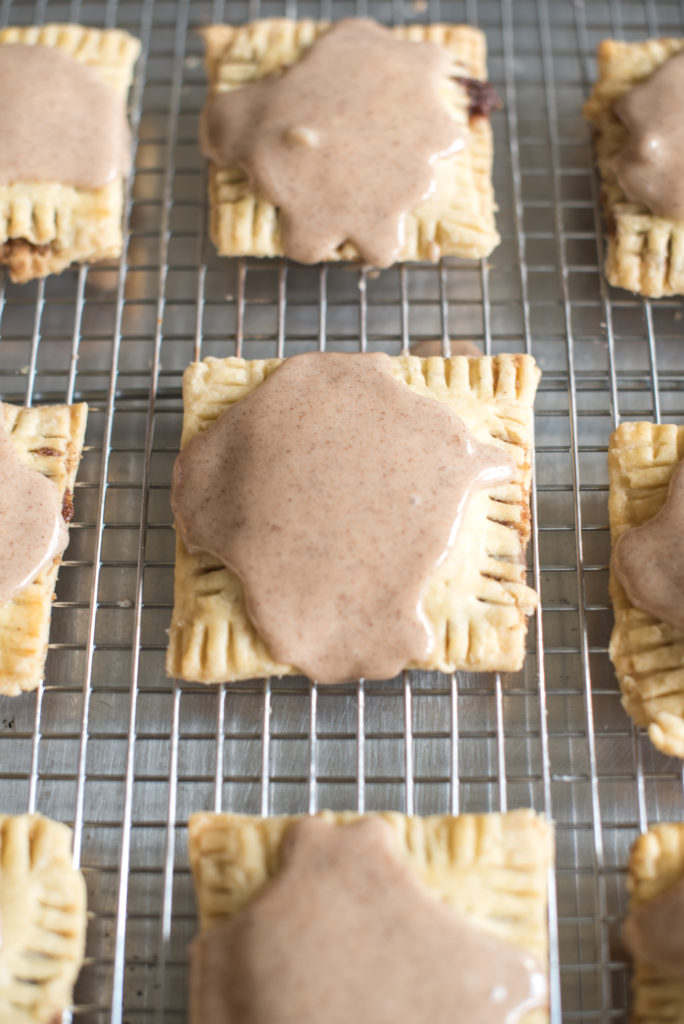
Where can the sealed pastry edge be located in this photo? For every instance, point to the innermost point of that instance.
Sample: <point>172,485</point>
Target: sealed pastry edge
<point>480,628</point>
<point>48,919</point>
<point>46,226</point>
<point>244,224</point>
<point>25,620</point>
<point>656,861</point>
<point>647,654</point>
<point>644,253</point>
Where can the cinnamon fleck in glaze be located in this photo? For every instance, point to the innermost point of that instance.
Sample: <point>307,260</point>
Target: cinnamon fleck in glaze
<point>32,528</point>
<point>649,166</point>
<point>649,559</point>
<point>343,142</point>
<point>59,121</point>
<point>333,491</point>
<point>347,932</point>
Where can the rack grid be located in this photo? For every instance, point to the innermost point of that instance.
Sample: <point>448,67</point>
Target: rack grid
<point>112,746</point>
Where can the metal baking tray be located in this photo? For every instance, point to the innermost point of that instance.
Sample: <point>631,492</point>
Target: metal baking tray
<point>112,746</point>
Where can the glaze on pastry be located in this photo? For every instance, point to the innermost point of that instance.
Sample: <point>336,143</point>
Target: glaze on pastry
<point>635,145</point>
<point>343,142</point>
<point>46,443</point>
<point>647,650</point>
<point>64,128</point>
<point>649,165</point>
<point>653,931</point>
<point>348,926</point>
<point>59,120</point>
<point>32,527</point>
<point>321,492</point>
<point>475,603</point>
<point>649,559</point>
<point>456,218</point>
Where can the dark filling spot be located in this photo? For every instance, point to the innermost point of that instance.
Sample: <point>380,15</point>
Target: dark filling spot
<point>68,506</point>
<point>20,245</point>
<point>49,452</point>
<point>482,95</point>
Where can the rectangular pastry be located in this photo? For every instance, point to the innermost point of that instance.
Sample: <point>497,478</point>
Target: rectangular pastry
<point>45,225</point>
<point>492,868</point>
<point>457,219</point>
<point>648,654</point>
<point>48,439</point>
<point>477,600</point>
<point>644,253</point>
<point>656,867</point>
<point>43,914</point>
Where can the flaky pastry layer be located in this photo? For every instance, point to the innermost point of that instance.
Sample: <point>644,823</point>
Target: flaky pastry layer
<point>645,253</point>
<point>458,219</point>
<point>477,601</point>
<point>49,439</point>
<point>45,226</point>
<point>648,654</point>
<point>656,862</point>
<point>43,914</point>
<point>492,867</point>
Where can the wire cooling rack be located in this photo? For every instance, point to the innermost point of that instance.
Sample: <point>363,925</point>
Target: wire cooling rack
<point>124,754</point>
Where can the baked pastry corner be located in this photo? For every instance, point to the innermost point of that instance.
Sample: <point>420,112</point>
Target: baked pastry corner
<point>43,914</point>
<point>46,226</point>
<point>644,253</point>
<point>648,655</point>
<point>458,219</point>
<point>49,439</point>
<point>479,625</point>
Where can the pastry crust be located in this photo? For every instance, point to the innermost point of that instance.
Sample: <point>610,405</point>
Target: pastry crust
<point>656,861</point>
<point>492,867</point>
<point>458,219</point>
<point>49,439</point>
<point>45,226</point>
<point>645,253</point>
<point>648,654</point>
<point>477,600</point>
<point>43,914</point>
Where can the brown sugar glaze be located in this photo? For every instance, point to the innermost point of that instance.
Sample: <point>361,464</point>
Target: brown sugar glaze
<point>333,491</point>
<point>649,559</point>
<point>342,142</point>
<point>654,931</point>
<point>59,121</point>
<point>345,932</point>
<point>32,527</point>
<point>649,166</point>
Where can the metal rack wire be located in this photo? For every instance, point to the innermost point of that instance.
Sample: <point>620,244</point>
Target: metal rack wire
<point>112,746</point>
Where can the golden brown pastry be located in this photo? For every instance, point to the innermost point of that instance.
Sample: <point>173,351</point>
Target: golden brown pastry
<point>42,917</point>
